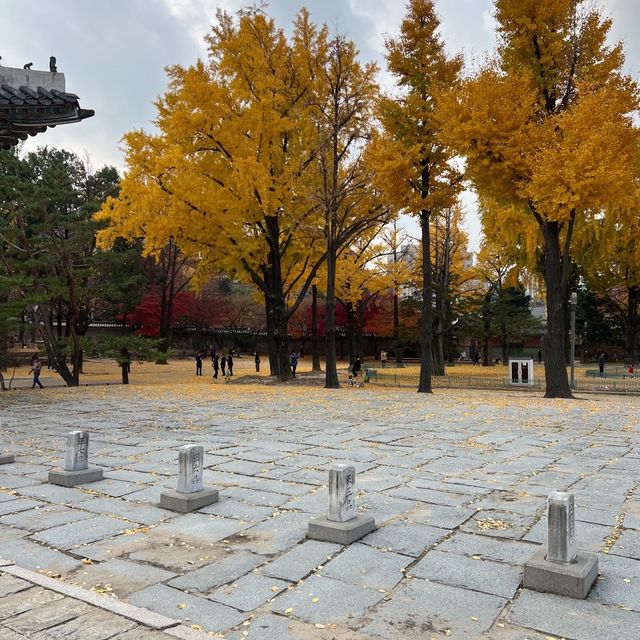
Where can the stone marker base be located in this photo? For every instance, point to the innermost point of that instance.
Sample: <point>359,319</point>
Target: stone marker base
<point>341,532</point>
<point>73,478</point>
<point>186,502</point>
<point>6,458</point>
<point>572,580</point>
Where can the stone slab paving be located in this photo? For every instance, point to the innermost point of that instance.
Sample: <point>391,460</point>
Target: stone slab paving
<point>28,610</point>
<point>457,483</point>
<point>191,609</point>
<point>224,570</point>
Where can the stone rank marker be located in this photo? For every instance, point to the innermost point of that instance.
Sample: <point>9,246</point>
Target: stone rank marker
<point>341,525</point>
<point>191,494</point>
<point>560,568</point>
<point>76,463</point>
<point>6,458</point>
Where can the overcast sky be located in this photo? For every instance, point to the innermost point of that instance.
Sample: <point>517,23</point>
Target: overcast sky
<point>113,53</point>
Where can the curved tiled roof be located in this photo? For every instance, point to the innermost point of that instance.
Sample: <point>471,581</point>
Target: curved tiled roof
<point>25,111</point>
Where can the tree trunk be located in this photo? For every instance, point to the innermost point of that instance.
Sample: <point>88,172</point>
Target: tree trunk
<point>352,332</point>
<point>163,317</point>
<point>331,370</point>
<point>54,353</point>
<point>486,358</point>
<point>125,373</point>
<point>567,330</point>
<point>438,354</point>
<point>505,345</point>
<point>487,318</point>
<point>442,296</point>
<point>281,338</point>
<point>359,327</point>
<point>632,325</point>
<point>438,351</point>
<point>3,358</point>
<point>315,338</point>
<point>557,382</point>
<point>76,354</point>
<point>424,385</point>
<point>396,323</point>
<point>271,343</point>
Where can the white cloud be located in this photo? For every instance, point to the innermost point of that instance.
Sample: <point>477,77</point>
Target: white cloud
<point>197,16</point>
<point>114,53</point>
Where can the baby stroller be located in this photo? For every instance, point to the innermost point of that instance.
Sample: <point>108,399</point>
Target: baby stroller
<point>354,382</point>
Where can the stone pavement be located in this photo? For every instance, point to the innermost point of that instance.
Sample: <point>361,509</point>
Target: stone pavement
<point>457,483</point>
<point>28,609</point>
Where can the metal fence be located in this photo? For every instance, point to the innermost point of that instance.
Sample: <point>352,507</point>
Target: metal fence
<point>398,378</point>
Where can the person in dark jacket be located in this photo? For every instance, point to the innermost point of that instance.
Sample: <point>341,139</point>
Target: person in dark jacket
<point>199,364</point>
<point>223,365</point>
<point>293,360</point>
<point>257,359</point>
<point>230,364</point>
<point>216,366</point>
<point>357,366</point>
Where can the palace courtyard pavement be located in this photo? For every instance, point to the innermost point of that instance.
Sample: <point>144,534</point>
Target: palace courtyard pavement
<point>457,482</point>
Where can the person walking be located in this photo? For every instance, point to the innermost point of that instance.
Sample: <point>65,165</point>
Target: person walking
<point>213,354</point>
<point>223,365</point>
<point>199,357</point>
<point>125,364</point>
<point>216,365</point>
<point>36,368</point>
<point>293,360</point>
<point>230,364</point>
<point>601,361</point>
<point>257,359</point>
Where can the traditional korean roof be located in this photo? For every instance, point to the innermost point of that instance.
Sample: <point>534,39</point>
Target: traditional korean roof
<point>31,101</point>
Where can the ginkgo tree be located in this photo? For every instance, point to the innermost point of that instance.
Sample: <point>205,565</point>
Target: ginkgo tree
<point>451,273</point>
<point>398,265</point>
<point>227,176</point>
<point>258,167</point>
<point>415,168</point>
<point>610,266</point>
<point>361,277</point>
<point>546,128</point>
<point>344,99</point>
